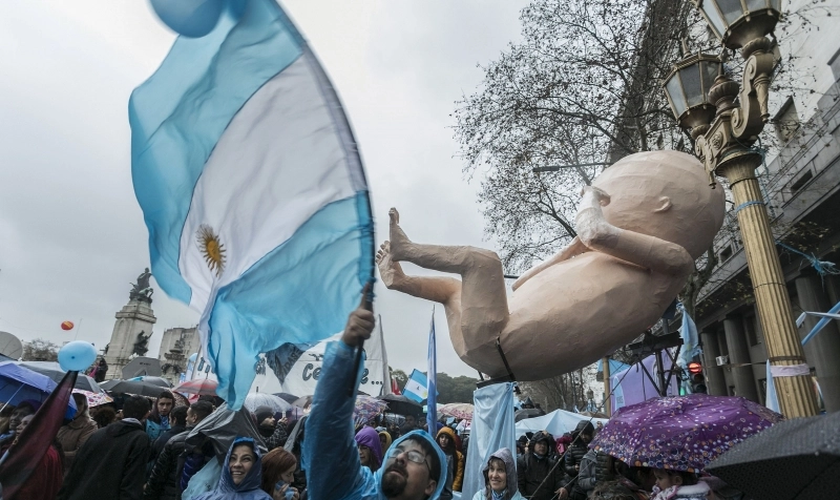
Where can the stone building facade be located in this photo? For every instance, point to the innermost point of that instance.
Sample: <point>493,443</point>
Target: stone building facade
<point>176,346</point>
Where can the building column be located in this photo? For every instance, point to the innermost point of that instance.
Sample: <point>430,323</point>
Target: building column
<point>823,350</point>
<point>739,354</point>
<point>715,382</point>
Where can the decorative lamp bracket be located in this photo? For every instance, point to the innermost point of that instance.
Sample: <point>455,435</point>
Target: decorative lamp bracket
<point>752,113</point>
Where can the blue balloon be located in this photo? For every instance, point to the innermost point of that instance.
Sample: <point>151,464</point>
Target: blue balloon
<point>76,356</point>
<point>190,18</point>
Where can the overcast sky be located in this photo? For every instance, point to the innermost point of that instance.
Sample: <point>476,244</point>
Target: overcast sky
<point>72,235</point>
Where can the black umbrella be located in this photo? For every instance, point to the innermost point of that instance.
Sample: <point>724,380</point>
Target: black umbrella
<point>151,389</point>
<point>285,396</point>
<point>53,370</point>
<point>401,405</point>
<point>528,413</point>
<point>794,459</point>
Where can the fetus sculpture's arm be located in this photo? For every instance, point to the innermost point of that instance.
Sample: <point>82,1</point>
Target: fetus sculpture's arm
<point>647,251</point>
<point>567,252</point>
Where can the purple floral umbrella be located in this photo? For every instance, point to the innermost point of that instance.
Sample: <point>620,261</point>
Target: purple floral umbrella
<point>367,408</point>
<point>683,432</point>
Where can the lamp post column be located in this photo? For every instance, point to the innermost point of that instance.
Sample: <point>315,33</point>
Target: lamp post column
<point>794,388</point>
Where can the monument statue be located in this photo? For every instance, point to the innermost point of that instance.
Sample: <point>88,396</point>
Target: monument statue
<point>141,345</point>
<point>640,226</point>
<point>142,290</point>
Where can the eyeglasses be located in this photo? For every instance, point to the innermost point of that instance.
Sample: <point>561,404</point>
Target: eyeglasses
<point>413,455</point>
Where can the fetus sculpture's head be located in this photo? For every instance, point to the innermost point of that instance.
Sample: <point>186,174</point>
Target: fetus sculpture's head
<point>664,194</point>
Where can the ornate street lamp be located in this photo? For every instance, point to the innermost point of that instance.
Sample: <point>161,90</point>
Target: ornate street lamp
<point>725,148</point>
<point>687,88</point>
<point>738,22</point>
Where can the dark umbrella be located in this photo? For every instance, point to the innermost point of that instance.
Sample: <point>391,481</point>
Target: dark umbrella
<point>137,387</point>
<point>528,413</point>
<point>53,370</point>
<point>795,459</point>
<point>682,432</point>
<point>285,396</point>
<point>401,405</point>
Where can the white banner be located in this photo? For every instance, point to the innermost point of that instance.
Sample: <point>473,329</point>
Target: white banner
<point>303,375</point>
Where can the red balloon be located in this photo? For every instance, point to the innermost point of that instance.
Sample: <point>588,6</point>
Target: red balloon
<point>67,325</point>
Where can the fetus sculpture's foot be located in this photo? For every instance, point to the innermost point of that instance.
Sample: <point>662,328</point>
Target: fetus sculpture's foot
<point>400,245</point>
<point>390,271</point>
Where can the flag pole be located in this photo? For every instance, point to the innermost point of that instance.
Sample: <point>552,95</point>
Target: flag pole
<point>431,379</point>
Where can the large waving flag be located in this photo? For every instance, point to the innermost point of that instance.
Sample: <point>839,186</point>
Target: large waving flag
<point>252,189</point>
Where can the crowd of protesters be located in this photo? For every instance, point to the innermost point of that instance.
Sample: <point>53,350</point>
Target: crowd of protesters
<point>139,447</point>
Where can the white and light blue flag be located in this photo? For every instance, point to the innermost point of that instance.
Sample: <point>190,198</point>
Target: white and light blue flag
<point>252,188</point>
<point>416,388</point>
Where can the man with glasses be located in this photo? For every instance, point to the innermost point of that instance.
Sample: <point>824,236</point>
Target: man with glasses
<point>412,467</point>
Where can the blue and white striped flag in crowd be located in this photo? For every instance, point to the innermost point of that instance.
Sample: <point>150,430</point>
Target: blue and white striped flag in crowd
<point>416,388</point>
<point>431,385</point>
<point>253,190</point>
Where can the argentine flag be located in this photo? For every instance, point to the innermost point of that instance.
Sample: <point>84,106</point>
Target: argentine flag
<point>253,190</point>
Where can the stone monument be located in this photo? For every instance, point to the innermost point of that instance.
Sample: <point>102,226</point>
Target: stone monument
<point>133,328</point>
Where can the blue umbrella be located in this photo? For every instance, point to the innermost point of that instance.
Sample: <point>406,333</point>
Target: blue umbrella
<point>18,384</point>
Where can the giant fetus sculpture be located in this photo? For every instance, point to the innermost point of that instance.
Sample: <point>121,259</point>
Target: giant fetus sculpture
<point>640,227</point>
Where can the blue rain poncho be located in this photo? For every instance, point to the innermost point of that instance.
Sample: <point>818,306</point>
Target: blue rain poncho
<point>248,489</point>
<point>330,454</point>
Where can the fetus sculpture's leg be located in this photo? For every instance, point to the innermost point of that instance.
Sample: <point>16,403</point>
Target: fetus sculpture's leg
<point>442,289</point>
<point>483,299</point>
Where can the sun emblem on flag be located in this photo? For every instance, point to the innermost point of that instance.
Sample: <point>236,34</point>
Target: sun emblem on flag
<point>212,249</point>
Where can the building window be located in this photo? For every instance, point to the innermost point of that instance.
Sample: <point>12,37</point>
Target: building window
<point>725,253</point>
<point>786,121</point>
<point>801,182</point>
